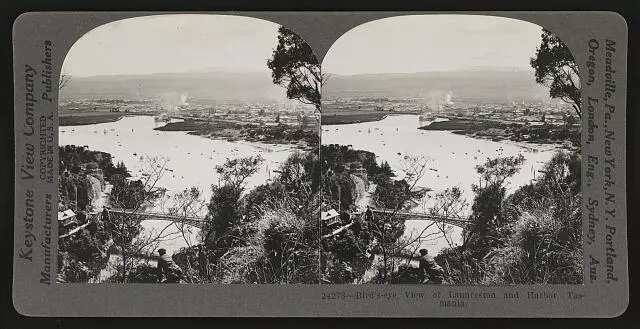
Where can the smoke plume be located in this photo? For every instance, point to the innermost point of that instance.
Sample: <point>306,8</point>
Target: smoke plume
<point>171,101</point>
<point>437,99</point>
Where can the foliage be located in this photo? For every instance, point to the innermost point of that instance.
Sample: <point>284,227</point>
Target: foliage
<point>301,170</point>
<point>294,66</point>
<point>461,266</point>
<point>282,132</point>
<point>85,253</point>
<point>448,203</point>
<point>346,257</point>
<point>542,249</point>
<point>128,194</point>
<point>392,194</point>
<point>533,236</point>
<point>72,270</point>
<point>224,214</point>
<point>405,274</point>
<point>289,256</point>
<point>260,196</point>
<point>73,190</point>
<point>143,273</point>
<point>270,235</point>
<point>339,190</point>
<point>194,261</point>
<point>72,156</point>
<point>497,170</point>
<point>556,68</point>
<point>225,209</point>
<point>236,171</point>
<point>130,240</point>
<point>547,133</point>
<point>335,155</point>
<point>388,228</point>
<point>485,231</point>
<point>64,80</point>
<point>74,186</point>
<point>371,243</point>
<point>546,231</point>
<point>337,184</point>
<point>81,257</point>
<point>279,244</point>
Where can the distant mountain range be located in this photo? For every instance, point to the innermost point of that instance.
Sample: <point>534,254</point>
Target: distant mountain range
<point>223,86</point>
<point>473,84</point>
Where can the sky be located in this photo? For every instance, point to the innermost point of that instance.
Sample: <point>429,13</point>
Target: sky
<point>423,43</point>
<point>173,43</point>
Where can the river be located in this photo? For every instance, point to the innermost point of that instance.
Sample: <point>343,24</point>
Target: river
<point>190,159</point>
<point>451,159</point>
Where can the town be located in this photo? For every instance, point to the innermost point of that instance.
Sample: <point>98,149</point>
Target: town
<point>265,122</point>
<point>530,121</point>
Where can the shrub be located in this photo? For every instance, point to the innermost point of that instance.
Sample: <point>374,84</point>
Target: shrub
<point>143,274</point>
<point>540,251</point>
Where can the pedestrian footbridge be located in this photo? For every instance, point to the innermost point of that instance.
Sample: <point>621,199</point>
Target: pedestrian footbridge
<point>194,221</point>
<point>407,215</point>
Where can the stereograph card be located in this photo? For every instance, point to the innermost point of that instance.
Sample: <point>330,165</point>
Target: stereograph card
<point>424,164</point>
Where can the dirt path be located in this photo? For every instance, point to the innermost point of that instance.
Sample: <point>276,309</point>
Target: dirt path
<point>363,194</point>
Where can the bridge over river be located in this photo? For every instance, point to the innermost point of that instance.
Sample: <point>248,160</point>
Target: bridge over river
<point>407,216</point>
<point>363,199</point>
<point>194,221</point>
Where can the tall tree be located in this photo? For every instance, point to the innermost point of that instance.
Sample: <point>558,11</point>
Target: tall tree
<point>294,66</point>
<point>225,209</point>
<point>556,68</point>
<point>130,239</point>
<point>487,217</point>
<point>388,228</point>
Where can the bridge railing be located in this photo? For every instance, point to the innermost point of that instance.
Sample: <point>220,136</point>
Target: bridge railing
<point>160,215</point>
<point>452,220</point>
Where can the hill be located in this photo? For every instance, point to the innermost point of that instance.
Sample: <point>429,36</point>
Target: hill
<point>476,84</point>
<point>222,86</point>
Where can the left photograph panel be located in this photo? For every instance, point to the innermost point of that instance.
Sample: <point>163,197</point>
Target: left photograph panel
<point>189,153</point>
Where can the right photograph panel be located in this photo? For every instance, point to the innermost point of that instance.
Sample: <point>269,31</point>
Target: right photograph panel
<point>451,154</point>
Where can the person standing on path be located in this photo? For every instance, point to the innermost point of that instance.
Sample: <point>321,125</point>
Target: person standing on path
<point>430,271</point>
<point>167,268</point>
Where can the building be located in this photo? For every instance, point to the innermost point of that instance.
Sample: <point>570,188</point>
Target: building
<point>66,220</point>
<point>330,218</point>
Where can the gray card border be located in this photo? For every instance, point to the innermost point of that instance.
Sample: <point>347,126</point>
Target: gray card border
<point>320,30</point>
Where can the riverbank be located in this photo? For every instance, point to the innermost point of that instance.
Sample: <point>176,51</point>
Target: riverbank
<point>496,131</point>
<point>233,131</point>
<point>191,160</point>
<point>80,120</point>
<point>451,158</point>
<point>91,118</point>
<point>334,118</point>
